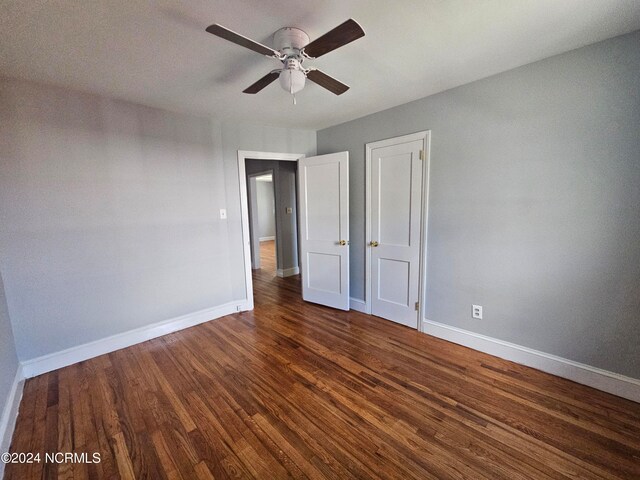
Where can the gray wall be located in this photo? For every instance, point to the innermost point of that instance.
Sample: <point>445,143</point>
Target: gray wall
<point>534,207</point>
<point>284,177</point>
<point>266,209</point>
<point>110,213</point>
<point>8,357</point>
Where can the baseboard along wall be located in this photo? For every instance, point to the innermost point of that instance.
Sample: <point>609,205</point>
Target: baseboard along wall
<point>10,414</point>
<point>358,305</point>
<point>287,272</point>
<point>610,382</point>
<point>53,361</point>
<point>600,379</point>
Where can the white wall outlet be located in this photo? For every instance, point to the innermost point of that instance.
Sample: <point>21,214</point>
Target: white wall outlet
<point>476,311</point>
<point>223,214</point>
<point>289,210</point>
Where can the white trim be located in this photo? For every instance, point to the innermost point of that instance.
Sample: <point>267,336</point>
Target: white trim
<point>267,239</point>
<point>424,226</point>
<point>10,414</point>
<point>53,361</point>
<point>425,136</point>
<point>358,305</point>
<point>244,208</point>
<point>604,380</point>
<point>287,272</point>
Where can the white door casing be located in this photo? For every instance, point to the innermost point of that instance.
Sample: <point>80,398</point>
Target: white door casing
<point>397,171</point>
<point>324,229</point>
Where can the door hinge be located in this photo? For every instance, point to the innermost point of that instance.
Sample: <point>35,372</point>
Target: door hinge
<point>421,154</point>
<point>417,306</point>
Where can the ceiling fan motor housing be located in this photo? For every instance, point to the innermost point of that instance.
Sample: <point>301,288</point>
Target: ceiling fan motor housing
<point>290,41</point>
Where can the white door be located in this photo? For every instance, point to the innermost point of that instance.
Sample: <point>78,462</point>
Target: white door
<point>396,204</point>
<point>324,232</point>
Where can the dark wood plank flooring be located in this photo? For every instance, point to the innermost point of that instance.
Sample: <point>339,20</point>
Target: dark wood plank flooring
<point>297,390</point>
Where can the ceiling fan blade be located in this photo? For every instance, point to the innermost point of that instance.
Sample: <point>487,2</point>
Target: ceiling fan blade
<point>263,82</point>
<point>222,32</point>
<point>336,38</point>
<point>325,81</point>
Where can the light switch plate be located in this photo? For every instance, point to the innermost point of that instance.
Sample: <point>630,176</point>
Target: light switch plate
<point>223,214</point>
<point>289,210</point>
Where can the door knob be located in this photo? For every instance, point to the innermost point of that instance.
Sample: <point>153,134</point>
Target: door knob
<point>343,242</point>
<point>373,243</point>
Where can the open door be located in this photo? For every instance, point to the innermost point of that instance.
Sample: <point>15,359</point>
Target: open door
<point>324,232</point>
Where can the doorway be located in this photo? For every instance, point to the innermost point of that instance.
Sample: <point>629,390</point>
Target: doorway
<point>262,220</point>
<point>283,167</point>
<point>396,227</point>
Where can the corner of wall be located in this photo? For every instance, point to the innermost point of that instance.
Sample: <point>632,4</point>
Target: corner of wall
<point>10,414</point>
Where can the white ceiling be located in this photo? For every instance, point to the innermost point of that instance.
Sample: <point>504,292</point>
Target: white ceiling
<point>158,53</point>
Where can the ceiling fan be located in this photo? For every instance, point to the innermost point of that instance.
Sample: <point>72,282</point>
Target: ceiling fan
<point>292,48</point>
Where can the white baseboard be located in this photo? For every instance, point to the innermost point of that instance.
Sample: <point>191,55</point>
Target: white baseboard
<point>358,305</point>
<point>10,414</point>
<point>287,272</point>
<point>266,239</point>
<point>604,380</point>
<point>53,361</point>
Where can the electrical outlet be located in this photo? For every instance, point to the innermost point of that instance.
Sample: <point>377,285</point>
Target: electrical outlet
<point>289,210</point>
<point>476,311</point>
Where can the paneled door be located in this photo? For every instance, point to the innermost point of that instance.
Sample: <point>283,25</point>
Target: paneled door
<point>395,188</point>
<point>324,229</point>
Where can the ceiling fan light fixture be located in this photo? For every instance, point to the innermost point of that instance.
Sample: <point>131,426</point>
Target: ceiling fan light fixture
<point>292,81</point>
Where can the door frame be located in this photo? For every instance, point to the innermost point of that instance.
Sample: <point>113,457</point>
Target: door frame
<point>243,155</point>
<point>425,136</point>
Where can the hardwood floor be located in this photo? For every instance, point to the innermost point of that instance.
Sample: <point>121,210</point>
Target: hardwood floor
<point>268,256</point>
<point>297,390</point>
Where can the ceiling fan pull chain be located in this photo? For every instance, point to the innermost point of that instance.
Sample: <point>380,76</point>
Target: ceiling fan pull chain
<point>291,88</point>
